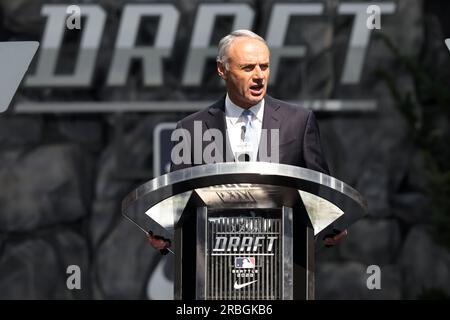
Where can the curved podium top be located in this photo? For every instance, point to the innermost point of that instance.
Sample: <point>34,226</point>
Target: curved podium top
<point>157,205</point>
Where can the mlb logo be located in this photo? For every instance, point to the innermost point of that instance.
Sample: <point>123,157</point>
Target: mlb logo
<point>244,263</point>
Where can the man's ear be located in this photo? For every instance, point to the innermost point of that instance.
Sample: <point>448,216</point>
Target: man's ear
<point>221,70</point>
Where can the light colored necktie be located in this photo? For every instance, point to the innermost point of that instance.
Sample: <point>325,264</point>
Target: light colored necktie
<point>249,134</point>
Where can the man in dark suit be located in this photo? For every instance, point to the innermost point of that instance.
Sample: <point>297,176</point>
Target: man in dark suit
<point>299,139</point>
<point>245,118</point>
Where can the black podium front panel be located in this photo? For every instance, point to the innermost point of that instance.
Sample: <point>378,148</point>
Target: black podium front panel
<point>244,254</point>
<point>244,257</point>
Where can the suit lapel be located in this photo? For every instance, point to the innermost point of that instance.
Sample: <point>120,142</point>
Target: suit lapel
<point>271,120</point>
<point>216,120</point>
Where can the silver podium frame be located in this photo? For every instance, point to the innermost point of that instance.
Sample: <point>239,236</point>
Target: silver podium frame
<point>161,205</point>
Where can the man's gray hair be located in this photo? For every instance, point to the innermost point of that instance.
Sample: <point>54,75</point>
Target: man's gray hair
<point>226,41</point>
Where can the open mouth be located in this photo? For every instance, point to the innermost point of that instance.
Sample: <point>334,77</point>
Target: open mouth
<point>257,89</point>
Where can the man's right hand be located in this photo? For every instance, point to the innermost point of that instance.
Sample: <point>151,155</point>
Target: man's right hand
<point>158,242</point>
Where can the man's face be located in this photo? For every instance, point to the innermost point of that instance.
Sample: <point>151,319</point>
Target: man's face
<point>248,71</point>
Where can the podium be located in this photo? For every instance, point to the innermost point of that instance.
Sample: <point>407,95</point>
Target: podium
<point>243,230</point>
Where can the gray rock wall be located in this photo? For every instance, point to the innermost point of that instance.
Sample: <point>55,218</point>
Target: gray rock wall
<point>63,177</point>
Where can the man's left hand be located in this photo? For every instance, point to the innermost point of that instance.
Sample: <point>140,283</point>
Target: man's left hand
<point>330,240</point>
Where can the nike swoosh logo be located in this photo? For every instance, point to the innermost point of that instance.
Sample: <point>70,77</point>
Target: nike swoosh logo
<point>239,286</point>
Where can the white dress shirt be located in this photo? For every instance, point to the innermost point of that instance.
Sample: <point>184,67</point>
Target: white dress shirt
<point>234,122</point>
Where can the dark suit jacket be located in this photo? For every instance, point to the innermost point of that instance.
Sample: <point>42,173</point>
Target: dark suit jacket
<point>299,138</point>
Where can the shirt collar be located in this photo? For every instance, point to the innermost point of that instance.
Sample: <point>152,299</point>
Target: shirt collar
<point>234,112</point>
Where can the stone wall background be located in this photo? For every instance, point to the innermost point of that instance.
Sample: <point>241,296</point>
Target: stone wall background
<point>62,177</point>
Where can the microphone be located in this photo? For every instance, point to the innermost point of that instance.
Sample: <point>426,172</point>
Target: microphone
<point>244,157</point>
<point>243,129</point>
